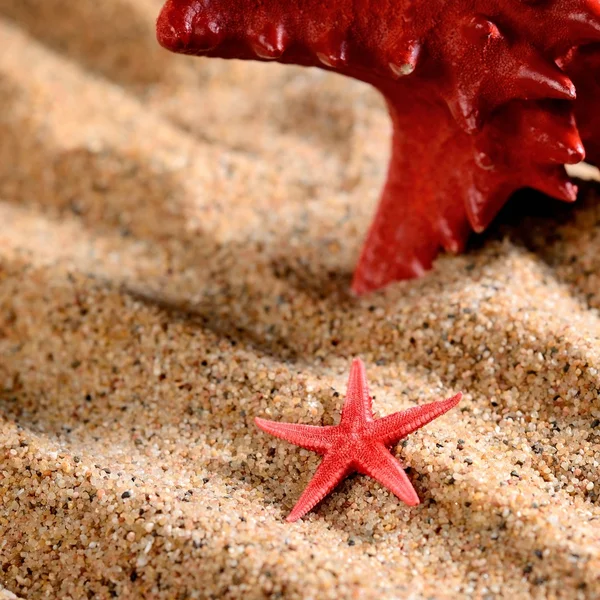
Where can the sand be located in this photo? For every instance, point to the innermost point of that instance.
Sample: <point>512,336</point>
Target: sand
<point>176,247</point>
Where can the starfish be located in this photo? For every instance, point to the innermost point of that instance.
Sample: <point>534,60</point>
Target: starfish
<point>479,105</point>
<point>358,444</point>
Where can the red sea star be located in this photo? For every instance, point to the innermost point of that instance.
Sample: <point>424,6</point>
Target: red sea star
<point>359,443</point>
<point>478,104</point>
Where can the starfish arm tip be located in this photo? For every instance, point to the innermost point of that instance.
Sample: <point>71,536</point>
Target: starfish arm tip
<point>357,362</point>
<point>415,501</point>
<point>456,398</point>
<point>409,495</point>
<point>300,509</point>
<point>292,518</point>
<point>261,423</point>
<point>357,288</point>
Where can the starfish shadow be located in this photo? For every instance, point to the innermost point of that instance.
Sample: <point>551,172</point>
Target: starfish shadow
<point>556,231</point>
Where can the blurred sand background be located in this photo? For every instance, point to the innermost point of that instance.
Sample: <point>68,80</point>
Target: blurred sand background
<point>176,247</point>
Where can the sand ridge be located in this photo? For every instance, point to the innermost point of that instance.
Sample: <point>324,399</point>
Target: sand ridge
<point>177,242</point>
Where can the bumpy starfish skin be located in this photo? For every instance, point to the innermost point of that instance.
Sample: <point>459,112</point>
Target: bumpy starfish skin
<point>478,104</point>
<point>358,443</point>
<point>583,65</point>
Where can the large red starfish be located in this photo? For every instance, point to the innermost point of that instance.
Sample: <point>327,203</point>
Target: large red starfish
<point>358,443</point>
<point>478,104</point>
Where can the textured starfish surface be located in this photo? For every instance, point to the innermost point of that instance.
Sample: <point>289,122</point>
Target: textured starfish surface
<point>583,66</point>
<point>358,444</point>
<point>479,105</point>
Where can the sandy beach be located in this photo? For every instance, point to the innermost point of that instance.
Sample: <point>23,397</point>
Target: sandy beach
<point>177,242</point>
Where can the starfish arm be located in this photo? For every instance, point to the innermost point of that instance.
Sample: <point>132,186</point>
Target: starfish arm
<point>378,463</point>
<point>357,407</point>
<point>583,63</point>
<point>310,437</point>
<point>331,471</point>
<point>393,428</point>
<point>417,214</point>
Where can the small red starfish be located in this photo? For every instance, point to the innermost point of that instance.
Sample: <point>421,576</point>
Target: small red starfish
<point>358,443</point>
